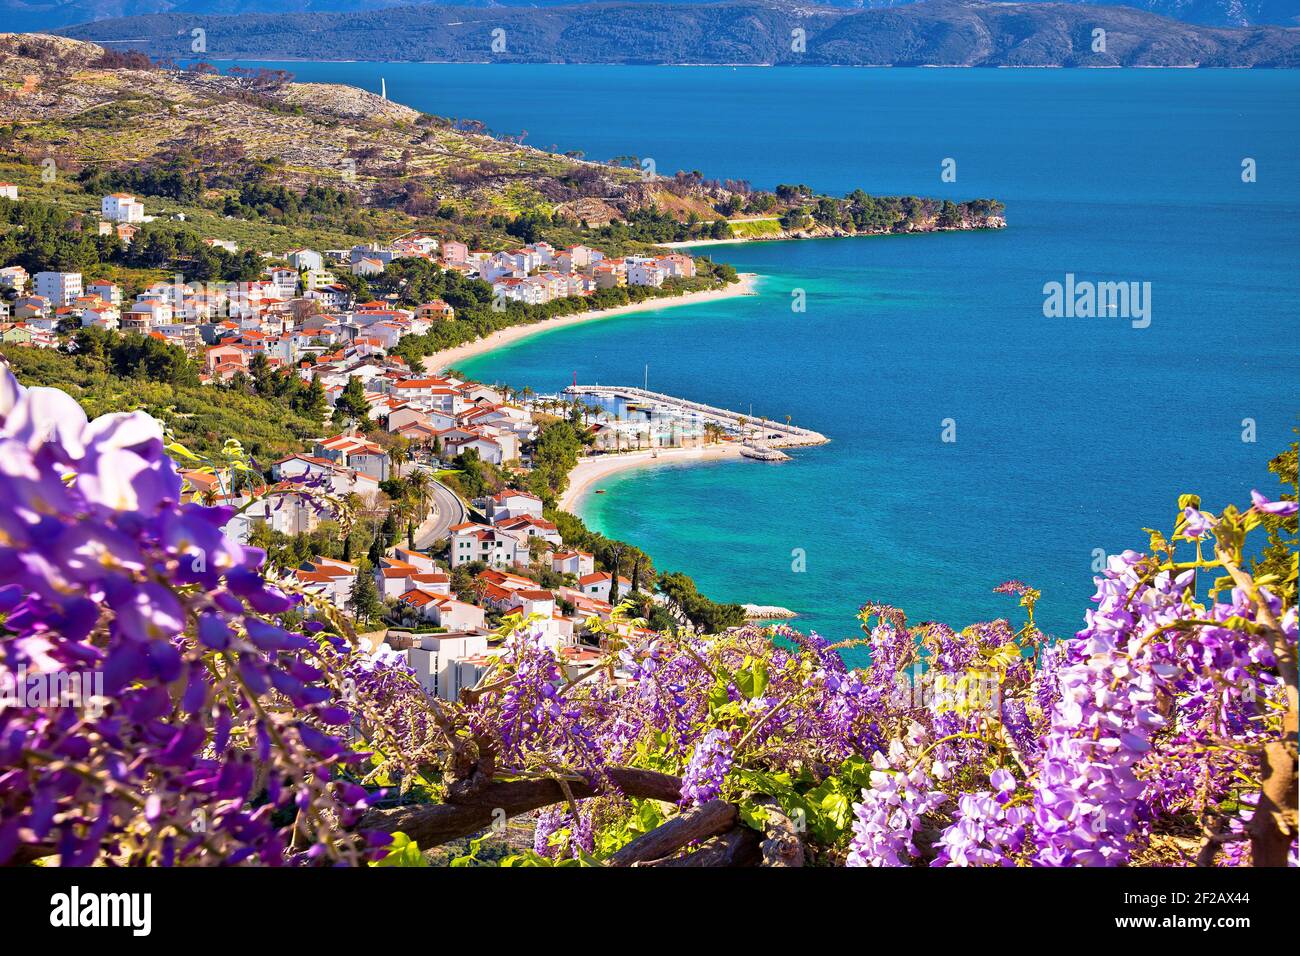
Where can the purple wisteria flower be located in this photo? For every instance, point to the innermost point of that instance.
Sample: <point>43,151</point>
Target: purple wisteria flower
<point>708,768</point>
<point>213,716</point>
<point>1281,508</point>
<point>1196,523</point>
<point>891,811</point>
<point>558,834</point>
<point>986,829</point>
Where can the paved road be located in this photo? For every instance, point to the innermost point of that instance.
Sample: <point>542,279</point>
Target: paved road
<point>445,510</point>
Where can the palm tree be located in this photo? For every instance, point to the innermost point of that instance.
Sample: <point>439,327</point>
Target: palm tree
<point>418,483</point>
<point>399,454</point>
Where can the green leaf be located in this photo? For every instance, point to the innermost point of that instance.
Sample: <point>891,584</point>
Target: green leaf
<point>404,851</point>
<point>177,450</point>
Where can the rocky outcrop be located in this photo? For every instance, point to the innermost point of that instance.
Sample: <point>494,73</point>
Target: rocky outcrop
<point>767,612</point>
<point>834,232</point>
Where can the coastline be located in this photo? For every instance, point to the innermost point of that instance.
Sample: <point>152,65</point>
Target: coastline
<point>717,242</point>
<point>448,358</point>
<point>993,224</point>
<point>590,471</point>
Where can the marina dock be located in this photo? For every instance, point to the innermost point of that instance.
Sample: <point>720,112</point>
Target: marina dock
<point>758,433</point>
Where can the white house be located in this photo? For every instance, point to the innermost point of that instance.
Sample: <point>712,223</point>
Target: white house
<point>61,288</point>
<point>479,542</point>
<point>333,580</point>
<point>106,317</point>
<point>512,503</point>
<point>597,585</point>
<point>443,611</point>
<point>644,273</point>
<point>417,559</point>
<point>14,277</point>
<point>121,207</point>
<point>356,453</point>
<point>367,266</point>
<point>304,259</point>
<point>577,563</point>
<point>437,658</point>
<point>526,526</point>
<point>288,514</point>
<point>110,293</point>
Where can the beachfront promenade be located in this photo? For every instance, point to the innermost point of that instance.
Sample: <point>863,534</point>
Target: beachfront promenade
<point>755,431</point>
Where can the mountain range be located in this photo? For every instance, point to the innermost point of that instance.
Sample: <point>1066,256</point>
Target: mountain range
<point>44,15</point>
<point>760,32</point>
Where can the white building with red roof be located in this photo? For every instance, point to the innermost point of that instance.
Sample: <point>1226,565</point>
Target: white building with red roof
<point>472,542</point>
<point>511,503</point>
<point>597,585</point>
<point>352,451</point>
<point>577,563</point>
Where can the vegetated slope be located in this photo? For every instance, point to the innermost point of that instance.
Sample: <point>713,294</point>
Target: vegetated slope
<point>67,101</point>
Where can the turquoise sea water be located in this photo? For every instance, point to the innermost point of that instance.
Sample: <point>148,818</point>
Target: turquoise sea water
<point>1072,434</point>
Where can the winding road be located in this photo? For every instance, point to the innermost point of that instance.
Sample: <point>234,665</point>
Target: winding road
<point>445,511</point>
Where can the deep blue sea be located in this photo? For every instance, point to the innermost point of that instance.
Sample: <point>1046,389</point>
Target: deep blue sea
<point>1072,434</point>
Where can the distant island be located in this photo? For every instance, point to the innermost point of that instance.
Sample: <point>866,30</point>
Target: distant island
<point>748,32</point>
<point>44,15</point>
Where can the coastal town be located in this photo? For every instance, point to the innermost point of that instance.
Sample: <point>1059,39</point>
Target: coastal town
<point>466,565</point>
<point>298,309</point>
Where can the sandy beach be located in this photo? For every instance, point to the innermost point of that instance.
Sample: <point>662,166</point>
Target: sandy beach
<point>448,358</point>
<point>589,472</point>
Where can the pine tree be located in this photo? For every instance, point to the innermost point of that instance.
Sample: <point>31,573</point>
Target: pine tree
<point>365,603</point>
<point>352,400</point>
<point>388,530</point>
<point>613,577</point>
<point>312,402</point>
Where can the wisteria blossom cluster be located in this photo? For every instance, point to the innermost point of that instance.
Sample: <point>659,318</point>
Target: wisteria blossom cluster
<point>987,828</point>
<point>994,745</point>
<point>892,810</point>
<point>159,710</point>
<point>707,769</point>
<point>558,833</point>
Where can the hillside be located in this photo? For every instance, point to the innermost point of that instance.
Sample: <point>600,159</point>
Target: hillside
<point>237,168</point>
<point>940,33</point>
<point>194,142</point>
<point>72,103</point>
